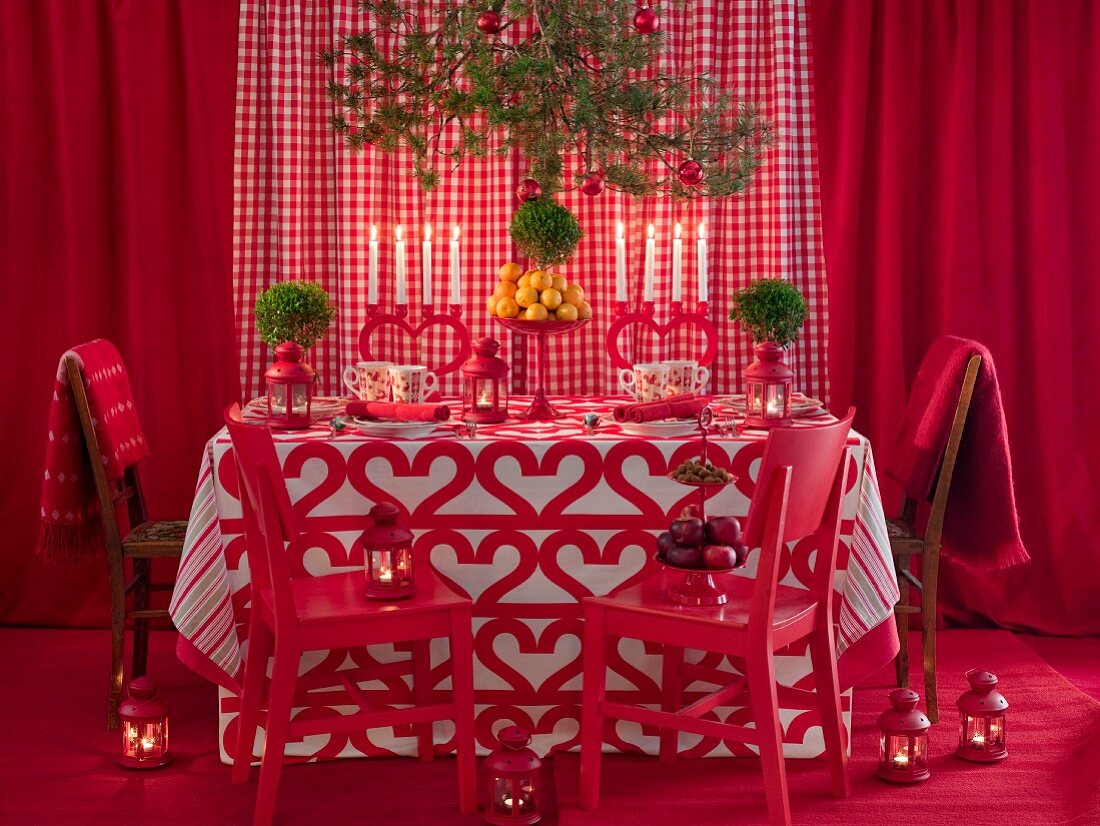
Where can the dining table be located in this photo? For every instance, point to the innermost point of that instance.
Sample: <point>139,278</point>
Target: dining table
<point>526,519</point>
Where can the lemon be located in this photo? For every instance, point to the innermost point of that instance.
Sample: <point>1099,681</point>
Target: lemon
<point>567,312</point>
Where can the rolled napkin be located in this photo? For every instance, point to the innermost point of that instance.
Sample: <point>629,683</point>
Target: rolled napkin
<point>400,412</point>
<point>684,406</point>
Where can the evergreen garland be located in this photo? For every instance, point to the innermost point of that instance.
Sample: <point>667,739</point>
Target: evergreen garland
<point>585,81</point>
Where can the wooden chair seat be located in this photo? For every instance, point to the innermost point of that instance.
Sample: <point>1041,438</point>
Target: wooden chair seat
<point>903,538</point>
<point>155,539</point>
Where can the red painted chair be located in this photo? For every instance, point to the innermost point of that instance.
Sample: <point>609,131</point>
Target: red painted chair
<point>292,616</point>
<point>799,490</point>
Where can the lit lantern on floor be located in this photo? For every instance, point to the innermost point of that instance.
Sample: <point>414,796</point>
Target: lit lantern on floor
<point>903,739</point>
<point>144,719</point>
<point>768,382</point>
<point>513,780</point>
<point>982,719</point>
<point>289,389</point>
<point>387,554</point>
<point>485,377</point>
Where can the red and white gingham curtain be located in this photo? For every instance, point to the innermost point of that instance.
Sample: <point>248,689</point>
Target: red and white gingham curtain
<point>303,205</point>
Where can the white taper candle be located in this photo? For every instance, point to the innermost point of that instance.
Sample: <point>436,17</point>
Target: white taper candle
<point>650,256</point>
<point>677,266</point>
<point>701,259</point>
<point>456,298</point>
<point>399,263</point>
<point>620,265</point>
<point>426,266</point>
<point>372,266</point>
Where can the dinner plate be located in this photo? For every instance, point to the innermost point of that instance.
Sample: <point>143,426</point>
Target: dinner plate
<point>668,428</point>
<point>322,407</point>
<point>801,405</point>
<point>392,430</point>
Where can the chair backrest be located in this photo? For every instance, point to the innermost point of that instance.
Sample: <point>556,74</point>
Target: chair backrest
<point>268,513</point>
<point>112,496</point>
<point>798,493</point>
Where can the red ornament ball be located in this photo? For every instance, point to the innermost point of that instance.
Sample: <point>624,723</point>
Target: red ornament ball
<point>593,185</point>
<point>529,190</point>
<point>646,21</point>
<point>690,173</point>
<point>488,22</point>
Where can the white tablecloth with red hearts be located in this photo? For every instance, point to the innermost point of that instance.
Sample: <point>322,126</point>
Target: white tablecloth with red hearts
<point>526,519</point>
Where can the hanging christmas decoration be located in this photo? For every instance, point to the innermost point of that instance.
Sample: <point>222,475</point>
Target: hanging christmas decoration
<point>646,21</point>
<point>528,190</point>
<point>594,184</point>
<point>488,22</point>
<point>690,173</point>
<point>564,82</point>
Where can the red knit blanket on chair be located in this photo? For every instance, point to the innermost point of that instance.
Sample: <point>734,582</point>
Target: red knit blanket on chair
<point>70,509</point>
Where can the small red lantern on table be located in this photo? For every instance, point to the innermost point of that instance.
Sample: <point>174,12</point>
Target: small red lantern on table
<point>903,742</point>
<point>768,382</point>
<point>289,389</point>
<point>485,378</point>
<point>387,554</point>
<point>144,719</point>
<point>513,780</point>
<point>982,719</point>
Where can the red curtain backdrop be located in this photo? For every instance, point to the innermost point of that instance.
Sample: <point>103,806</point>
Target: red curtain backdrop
<point>959,180</point>
<point>304,205</point>
<point>115,217</point>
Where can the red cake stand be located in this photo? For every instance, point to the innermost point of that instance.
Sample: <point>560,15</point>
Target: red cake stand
<point>540,409</point>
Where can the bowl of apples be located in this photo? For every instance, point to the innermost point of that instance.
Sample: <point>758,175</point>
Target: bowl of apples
<point>700,548</point>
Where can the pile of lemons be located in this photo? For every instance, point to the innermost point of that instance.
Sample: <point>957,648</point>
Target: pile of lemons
<point>537,295</point>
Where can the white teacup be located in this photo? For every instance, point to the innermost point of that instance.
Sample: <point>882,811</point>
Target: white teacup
<point>369,380</point>
<point>645,382</point>
<point>685,376</point>
<point>411,383</point>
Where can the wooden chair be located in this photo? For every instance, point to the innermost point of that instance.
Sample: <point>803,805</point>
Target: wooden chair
<point>292,616</point>
<point>801,483</point>
<point>144,542</point>
<point>905,543</point>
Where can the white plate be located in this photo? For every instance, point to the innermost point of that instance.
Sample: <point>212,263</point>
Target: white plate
<point>393,430</point>
<point>668,429</point>
<point>800,405</point>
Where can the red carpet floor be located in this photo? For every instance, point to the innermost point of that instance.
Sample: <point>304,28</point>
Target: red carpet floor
<point>56,760</point>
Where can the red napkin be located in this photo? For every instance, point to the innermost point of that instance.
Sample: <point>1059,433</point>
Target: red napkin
<point>399,411</point>
<point>684,406</point>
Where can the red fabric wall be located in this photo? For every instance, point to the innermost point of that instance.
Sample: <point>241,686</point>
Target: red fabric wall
<point>116,145</point>
<point>959,180</point>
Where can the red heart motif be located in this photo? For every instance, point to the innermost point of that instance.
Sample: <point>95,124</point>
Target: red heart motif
<point>646,321</point>
<point>447,322</point>
<point>546,643</point>
<point>651,510</point>
<point>484,555</point>
<point>426,513</point>
<point>591,463</point>
<point>592,554</point>
<point>328,483</point>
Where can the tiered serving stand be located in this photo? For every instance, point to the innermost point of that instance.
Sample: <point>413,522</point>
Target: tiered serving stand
<point>541,410</point>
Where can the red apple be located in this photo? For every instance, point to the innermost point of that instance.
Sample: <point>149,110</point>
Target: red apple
<point>687,530</point>
<point>685,556</point>
<point>742,553</point>
<point>719,556</point>
<point>664,543</point>
<point>723,530</point>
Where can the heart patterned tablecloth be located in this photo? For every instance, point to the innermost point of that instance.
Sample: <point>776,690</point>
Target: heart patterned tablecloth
<point>526,519</point>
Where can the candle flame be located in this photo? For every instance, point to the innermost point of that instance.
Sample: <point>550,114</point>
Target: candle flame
<point>620,232</point>
<point>427,232</point>
<point>373,232</point>
<point>677,230</point>
<point>651,230</point>
<point>455,232</point>
<point>398,232</point>
<point>702,230</point>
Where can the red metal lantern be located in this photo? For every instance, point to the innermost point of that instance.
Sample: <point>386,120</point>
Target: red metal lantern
<point>513,780</point>
<point>903,742</point>
<point>289,389</point>
<point>485,394</point>
<point>768,382</point>
<point>144,719</point>
<point>982,719</point>
<point>387,554</point>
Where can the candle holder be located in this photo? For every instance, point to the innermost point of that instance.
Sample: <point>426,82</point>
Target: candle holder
<point>290,385</point>
<point>379,319</point>
<point>903,740</point>
<point>982,719</point>
<point>387,554</point>
<point>541,410</point>
<point>646,318</point>
<point>144,719</point>
<point>513,771</point>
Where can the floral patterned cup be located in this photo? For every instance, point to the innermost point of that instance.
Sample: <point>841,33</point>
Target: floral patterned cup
<point>369,380</point>
<point>686,376</point>
<point>645,382</point>
<point>411,383</point>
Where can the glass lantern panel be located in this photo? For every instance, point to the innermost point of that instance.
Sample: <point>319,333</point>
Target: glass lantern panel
<point>278,397</point>
<point>982,733</point>
<point>755,399</point>
<point>301,398</point>
<point>145,740</point>
<point>483,394</point>
<point>997,733</point>
<point>514,797</point>
<point>903,753</point>
<point>778,401</point>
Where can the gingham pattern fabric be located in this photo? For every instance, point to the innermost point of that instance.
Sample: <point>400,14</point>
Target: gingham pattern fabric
<point>303,206</point>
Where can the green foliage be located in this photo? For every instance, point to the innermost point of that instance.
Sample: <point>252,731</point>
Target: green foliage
<point>545,231</point>
<point>770,309</point>
<point>584,83</point>
<point>293,311</point>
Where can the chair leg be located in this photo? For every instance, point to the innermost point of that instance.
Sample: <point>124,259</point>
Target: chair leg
<point>827,689</point>
<point>142,570</point>
<point>116,578</point>
<point>462,678</point>
<point>764,700</point>
<point>670,699</point>
<point>422,691</point>
<point>901,662</point>
<point>930,580</point>
<point>284,676</point>
<point>595,667</point>
<point>260,644</point>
